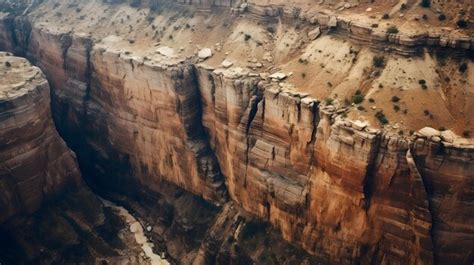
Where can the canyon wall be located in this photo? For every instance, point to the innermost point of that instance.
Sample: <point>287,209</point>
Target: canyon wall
<point>36,163</point>
<point>345,192</point>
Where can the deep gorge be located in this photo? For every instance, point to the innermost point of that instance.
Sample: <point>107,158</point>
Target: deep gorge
<point>223,163</point>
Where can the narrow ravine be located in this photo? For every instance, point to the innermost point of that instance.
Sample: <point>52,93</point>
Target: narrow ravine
<point>137,229</point>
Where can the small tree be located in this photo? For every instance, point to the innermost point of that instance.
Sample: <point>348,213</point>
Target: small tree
<point>379,61</point>
<point>425,3</point>
<point>392,30</point>
<point>462,23</point>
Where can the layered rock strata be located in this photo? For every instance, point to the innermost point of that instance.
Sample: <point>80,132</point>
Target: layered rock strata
<point>345,192</point>
<point>35,162</point>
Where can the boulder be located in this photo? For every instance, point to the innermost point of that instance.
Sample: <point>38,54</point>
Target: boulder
<point>312,35</point>
<point>226,63</point>
<point>165,51</point>
<point>205,53</point>
<point>429,132</point>
<point>278,76</point>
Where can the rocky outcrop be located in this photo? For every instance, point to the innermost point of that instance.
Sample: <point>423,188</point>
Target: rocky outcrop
<point>36,164</point>
<point>345,192</point>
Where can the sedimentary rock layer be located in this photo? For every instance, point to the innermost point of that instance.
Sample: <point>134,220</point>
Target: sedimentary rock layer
<point>35,162</point>
<point>345,192</point>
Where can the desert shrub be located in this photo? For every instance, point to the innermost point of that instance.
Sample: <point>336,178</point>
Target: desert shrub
<point>381,117</point>
<point>357,98</point>
<point>392,30</point>
<point>395,99</point>
<point>462,23</point>
<point>425,17</point>
<point>442,17</point>
<point>303,75</point>
<point>371,100</point>
<point>463,67</point>
<point>271,29</point>
<point>8,64</point>
<point>403,7</point>
<point>466,133</point>
<point>329,101</point>
<point>247,37</point>
<point>379,61</point>
<point>426,112</point>
<point>425,3</point>
<point>396,107</point>
<point>385,16</point>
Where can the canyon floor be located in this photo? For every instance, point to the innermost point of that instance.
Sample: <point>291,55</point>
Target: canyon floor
<point>281,132</point>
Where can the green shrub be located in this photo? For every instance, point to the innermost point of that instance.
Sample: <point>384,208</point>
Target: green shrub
<point>381,117</point>
<point>379,61</point>
<point>392,30</point>
<point>425,3</point>
<point>462,23</point>
<point>357,98</point>
<point>463,67</point>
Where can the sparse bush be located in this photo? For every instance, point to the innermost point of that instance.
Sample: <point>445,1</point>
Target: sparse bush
<point>421,82</point>
<point>396,108</point>
<point>302,61</point>
<point>425,3</point>
<point>385,16</point>
<point>425,17</point>
<point>78,10</point>
<point>329,101</point>
<point>371,100</point>
<point>381,117</point>
<point>466,133</point>
<point>271,30</point>
<point>303,75</point>
<point>8,64</point>
<point>379,61</point>
<point>403,7</point>
<point>395,99</point>
<point>442,129</point>
<point>59,14</point>
<point>392,30</point>
<point>247,37</point>
<point>462,23</point>
<point>426,112</point>
<point>442,17</point>
<point>463,68</point>
<point>357,98</point>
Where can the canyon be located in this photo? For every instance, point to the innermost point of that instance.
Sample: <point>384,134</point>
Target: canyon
<point>267,158</point>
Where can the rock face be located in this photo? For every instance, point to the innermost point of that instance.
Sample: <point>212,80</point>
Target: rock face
<point>35,162</point>
<point>345,192</point>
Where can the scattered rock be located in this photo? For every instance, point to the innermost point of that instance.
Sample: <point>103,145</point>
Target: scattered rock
<point>359,125</point>
<point>148,228</point>
<point>165,51</point>
<point>226,63</point>
<point>278,76</point>
<point>312,35</point>
<point>368,9</point>
<point>205,53</point>
<point>448,136</point>
<point>429,132</point>
<point>332,23</point>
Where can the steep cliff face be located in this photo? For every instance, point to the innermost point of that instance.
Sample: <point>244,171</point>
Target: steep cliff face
<point>36,164</point>
<point>344,191</point>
